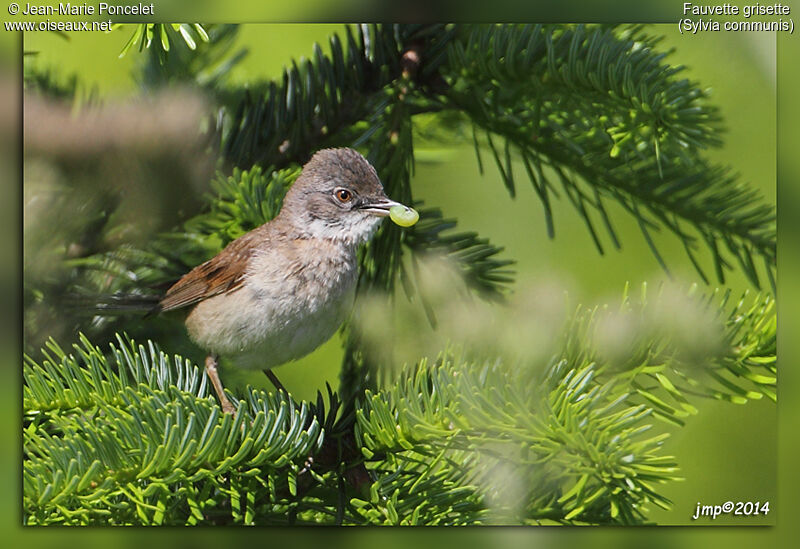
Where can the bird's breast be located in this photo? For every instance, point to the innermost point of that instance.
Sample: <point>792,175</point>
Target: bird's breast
<point>290,302</point>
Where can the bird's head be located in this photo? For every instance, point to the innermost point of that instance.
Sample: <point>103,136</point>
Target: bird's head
<point>337,196</point>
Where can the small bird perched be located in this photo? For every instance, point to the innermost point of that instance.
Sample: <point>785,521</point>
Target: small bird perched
<point>278,292</point>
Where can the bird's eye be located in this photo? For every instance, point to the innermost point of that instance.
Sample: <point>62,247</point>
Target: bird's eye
<point>343,195</point>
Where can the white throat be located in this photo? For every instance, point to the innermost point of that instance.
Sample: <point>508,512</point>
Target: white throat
<point>351,229</point>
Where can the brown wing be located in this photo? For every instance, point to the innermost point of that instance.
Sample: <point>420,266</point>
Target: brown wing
<point>222,273</point>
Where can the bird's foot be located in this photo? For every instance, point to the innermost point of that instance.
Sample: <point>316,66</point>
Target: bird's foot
<point>275,381</point>
<point>211,371</point>
<point>307,465</point>
<point>227,407</point>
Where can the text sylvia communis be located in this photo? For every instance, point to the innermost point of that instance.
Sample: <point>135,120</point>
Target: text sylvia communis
<point>278,292</point>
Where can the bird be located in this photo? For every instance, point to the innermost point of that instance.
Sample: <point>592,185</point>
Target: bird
<point>278,292</point>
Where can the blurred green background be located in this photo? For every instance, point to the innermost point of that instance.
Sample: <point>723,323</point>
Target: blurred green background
<point>727,452</point>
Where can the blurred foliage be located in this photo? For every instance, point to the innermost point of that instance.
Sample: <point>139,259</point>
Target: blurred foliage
<point>207,63</point>
<point>135,437</point>
<point>53,86</point>
<point>592,113</point>
<point>156,37</point>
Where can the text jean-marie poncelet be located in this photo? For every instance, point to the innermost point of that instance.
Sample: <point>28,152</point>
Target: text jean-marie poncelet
<point>103,8</point>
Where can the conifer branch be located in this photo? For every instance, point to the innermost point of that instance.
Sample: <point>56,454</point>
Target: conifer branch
<point>592,115</point>
<point>133,436</point>
<point>598,112</point>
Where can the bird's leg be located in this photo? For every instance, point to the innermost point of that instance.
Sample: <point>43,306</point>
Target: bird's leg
<point>275,381</point>
<point>211,371</point>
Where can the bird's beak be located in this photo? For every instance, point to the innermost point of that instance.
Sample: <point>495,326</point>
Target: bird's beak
<point>380,206</point>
